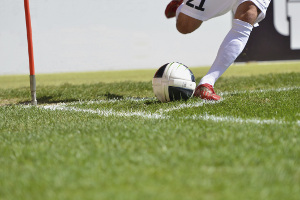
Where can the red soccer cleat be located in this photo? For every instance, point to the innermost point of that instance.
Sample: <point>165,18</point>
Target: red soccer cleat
<point>172,7</point>
<point>206,92</point>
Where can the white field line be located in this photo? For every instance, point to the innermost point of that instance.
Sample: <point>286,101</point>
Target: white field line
<point>205,117</point>
<point>105,112</point>
<point>260,91</point>
<point>160,114</point>
<point>214,118</point>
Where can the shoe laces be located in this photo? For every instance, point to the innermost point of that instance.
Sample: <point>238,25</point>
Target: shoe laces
<point>210,87</point>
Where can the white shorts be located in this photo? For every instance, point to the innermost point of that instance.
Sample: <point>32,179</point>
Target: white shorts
<point>207,9</point>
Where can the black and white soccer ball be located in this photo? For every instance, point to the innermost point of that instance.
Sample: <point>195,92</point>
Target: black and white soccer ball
<point>173,81</point>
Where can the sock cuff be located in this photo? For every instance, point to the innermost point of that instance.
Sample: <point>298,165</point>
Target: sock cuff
<point>242,27</point>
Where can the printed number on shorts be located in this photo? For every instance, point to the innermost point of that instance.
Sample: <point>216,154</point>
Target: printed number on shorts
<point>200,7</point>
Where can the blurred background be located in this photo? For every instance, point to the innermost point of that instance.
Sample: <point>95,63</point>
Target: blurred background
<point>95,35</point>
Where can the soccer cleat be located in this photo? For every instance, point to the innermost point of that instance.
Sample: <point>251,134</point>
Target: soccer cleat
<point>172,7</point>
<point>206,92</point>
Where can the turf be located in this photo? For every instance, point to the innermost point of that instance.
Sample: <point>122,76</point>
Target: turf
<point>237,70</point>
<point>114,140</point>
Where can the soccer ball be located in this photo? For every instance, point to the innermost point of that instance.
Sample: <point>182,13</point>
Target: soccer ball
<point>173,81</point>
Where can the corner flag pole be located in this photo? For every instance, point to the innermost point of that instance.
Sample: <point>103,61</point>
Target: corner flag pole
<point>30,53</point>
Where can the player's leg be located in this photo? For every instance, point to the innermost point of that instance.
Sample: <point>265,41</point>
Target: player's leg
<point>247,12</point>
<point>184,23</point>
<point>245,16</point>
<point>190,14</point>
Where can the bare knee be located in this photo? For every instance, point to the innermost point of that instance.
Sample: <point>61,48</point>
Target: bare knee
<point>186,24</point>
<point>184,28</point>
<point>247,12</point>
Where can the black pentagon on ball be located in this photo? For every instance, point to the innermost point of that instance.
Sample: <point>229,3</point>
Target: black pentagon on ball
<point>177,93</point>
<point>159,73</point>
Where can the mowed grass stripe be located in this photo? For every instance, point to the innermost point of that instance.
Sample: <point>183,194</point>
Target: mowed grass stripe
<point>236,70</point>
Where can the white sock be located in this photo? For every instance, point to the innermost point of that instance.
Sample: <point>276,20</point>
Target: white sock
<point>230,49</point>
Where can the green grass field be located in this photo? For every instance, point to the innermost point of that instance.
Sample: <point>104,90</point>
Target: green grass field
<point>104,136</point>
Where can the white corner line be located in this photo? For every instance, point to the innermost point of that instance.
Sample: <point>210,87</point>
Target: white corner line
<point>260,91</point>
<point>161,113</point>
<point>258,121</point>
